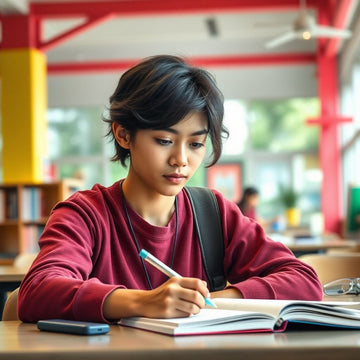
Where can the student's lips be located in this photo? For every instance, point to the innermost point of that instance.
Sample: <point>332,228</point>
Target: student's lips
<point>175,178</point>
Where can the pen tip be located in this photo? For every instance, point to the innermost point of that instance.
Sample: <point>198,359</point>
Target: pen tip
<point>210,303</point>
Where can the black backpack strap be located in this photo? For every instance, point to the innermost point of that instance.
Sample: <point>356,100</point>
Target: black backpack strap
<point>207,221</point>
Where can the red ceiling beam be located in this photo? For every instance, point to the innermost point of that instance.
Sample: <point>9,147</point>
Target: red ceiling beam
<point>90,66</point>
<point>340,17</point>
<point>159,7</point>
<point>89,23</point>
<point>254,60</point>
<point>208,61</point>
<point>96,12</point>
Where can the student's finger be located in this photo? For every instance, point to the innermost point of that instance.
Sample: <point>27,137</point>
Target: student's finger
<point>195,284</point>
<point>192,297</point>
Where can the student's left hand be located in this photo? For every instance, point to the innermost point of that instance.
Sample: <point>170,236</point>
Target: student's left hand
<point>230,293</point>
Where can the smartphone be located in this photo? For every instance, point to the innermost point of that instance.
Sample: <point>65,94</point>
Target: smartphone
<point>73,327</point>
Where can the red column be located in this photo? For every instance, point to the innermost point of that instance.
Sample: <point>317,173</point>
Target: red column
<point>329,121</point>
<point>18,31</point>
<point>329,145</point>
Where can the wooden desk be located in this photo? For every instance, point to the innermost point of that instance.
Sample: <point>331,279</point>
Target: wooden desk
<point>10,279</point>
<point>10,273</point>
<point>321,245</point>
<point>25,342</point>
<point>301,246</point>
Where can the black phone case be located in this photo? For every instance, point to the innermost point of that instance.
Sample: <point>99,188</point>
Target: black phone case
<point>73,327</point>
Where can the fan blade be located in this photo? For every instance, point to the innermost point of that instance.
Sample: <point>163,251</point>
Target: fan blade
<point>282,39</point>
<point>330,32</point>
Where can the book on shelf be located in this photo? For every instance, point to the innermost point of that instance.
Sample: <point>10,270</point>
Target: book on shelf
<point>2,205</point>
<point>31,235</point>
<point>11,204</point>
<point>8,204</point>
<point>33,204</point>
<point>247,315</point>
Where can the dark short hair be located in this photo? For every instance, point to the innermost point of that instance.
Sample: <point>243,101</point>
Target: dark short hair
<point>159,92</point>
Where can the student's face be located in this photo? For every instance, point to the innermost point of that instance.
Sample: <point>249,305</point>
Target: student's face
<point>164,160</point>
<point>253,200</point>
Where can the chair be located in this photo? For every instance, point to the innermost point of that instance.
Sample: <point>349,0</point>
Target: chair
<point>24,260</point>
<point>331,267</point>
<point>10,308</point>
<point>354,249</point>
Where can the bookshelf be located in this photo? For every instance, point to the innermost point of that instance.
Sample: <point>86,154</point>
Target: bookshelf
<point>24,209</point>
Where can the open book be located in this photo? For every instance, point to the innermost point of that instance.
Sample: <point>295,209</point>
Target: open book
<point>238,315</point>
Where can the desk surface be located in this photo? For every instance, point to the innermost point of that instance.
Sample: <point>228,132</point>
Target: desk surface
<point>25,341</point>
<point>316,244</point>
<point>11,273</point>
<point>322,245</point>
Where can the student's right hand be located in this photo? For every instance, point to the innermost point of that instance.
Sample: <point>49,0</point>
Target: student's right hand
<point>177,297</point>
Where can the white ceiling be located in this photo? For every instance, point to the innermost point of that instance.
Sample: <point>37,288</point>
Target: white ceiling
<point>240,33</point>
<point>184,34</point>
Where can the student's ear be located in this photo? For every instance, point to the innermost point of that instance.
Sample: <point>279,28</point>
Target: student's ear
<point>121,135</point>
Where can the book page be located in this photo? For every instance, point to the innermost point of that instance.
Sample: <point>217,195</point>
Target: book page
<point>271,307</point>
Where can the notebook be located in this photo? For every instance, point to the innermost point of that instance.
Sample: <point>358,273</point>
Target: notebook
<point>239,315</point>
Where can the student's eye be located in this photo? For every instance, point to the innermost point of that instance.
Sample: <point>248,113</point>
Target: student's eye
<point>196,145</point>
<point>163,142</point>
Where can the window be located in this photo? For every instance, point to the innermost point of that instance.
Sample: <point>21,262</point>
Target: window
<point>268,138</point>
<point>279,126</point>
<point>78,146</point>
<point>275,146</point>
<point>350,134</point>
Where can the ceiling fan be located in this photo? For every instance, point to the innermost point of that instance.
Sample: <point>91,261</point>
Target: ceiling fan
<point>306,28</point>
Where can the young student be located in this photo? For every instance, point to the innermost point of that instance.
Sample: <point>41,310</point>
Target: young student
<point>249,202</point>
<point>248,206</point>
<point>88,268</point>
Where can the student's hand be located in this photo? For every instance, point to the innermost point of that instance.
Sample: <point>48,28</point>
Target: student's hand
<point>230,293</point>
<point>177,297</point>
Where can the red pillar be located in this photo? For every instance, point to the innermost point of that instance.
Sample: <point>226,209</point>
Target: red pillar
<point>329,121</point>
<point>329,144</point>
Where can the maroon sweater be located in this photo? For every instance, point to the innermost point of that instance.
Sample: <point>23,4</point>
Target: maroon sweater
<point>87,251</point>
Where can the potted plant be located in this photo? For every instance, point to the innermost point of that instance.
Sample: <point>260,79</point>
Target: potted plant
<point>289,198</point>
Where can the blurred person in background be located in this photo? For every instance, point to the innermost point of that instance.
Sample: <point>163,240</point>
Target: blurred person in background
<point>249,202</point>
<point>248,206</point>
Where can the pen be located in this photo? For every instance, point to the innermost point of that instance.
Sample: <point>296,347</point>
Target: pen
<point>166,270</point>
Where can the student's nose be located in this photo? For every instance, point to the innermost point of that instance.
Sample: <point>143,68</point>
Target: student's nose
<point>179,156</point>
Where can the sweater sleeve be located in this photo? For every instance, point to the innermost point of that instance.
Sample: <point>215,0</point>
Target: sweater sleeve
<point>259,267</point>
<point>59,283</point>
